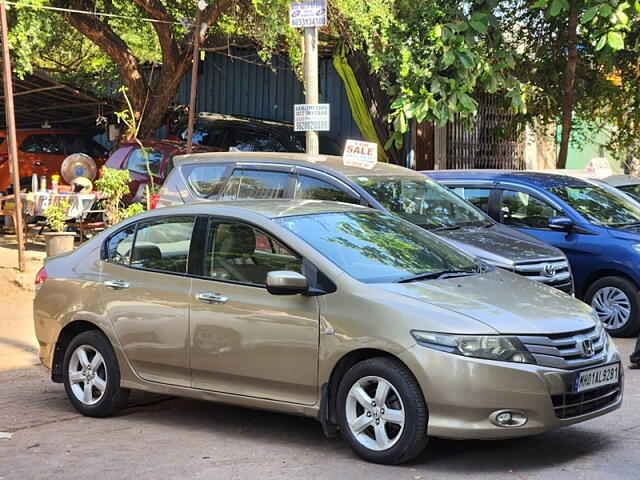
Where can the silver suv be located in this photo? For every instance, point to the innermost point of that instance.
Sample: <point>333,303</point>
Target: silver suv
<point>389,188</point>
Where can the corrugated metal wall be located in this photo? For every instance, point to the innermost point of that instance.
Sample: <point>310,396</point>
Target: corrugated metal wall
<point>240,84</point>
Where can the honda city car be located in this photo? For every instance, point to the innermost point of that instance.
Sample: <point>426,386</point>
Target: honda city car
<point>355,317</point>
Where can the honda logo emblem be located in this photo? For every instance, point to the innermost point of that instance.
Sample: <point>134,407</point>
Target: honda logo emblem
<point>549,270</point>
<point>587,348</point>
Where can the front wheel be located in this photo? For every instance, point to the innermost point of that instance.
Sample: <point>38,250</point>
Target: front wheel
<point>92,375</point>
<point>615,300</point>
<point>382,414</point>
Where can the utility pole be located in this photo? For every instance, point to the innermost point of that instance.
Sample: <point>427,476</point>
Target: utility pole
<point>311,82</point>
<point>194,73</point>
<point>11,131</point>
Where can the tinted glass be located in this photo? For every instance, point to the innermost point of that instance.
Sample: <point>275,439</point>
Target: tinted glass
<point>599,206</point>
<point>520,209</point>
<point>479,197</point>
<point>137,161</point>
<point>207,134</point>
<point>255,184</point>
<point>119,246</point>
<point>421,201</point>
<point>205,180</point>
<point>46,143</point>
<point>249,141</point>
<point>632,190</point>
<point>314,189</point>
<point>376,247</point>
<point>81,144</point>
<point>241,253</point>
<point>163,244</point>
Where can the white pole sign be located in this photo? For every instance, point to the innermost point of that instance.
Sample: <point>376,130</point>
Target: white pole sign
<point>308,14</point>
<point>309,118</point>
<point>360,154</point>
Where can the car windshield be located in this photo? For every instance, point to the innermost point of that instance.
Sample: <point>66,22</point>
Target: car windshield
<point>375,247</point>
<point>599,205</point>
<point>632,190</point>
<point>422,201</point>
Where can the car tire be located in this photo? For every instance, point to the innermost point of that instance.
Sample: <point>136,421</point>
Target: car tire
<point>394,429</point>
<point>614,298</point>
<point>92,376</point>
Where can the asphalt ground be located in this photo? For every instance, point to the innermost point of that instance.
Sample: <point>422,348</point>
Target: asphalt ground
<point>158,437</point>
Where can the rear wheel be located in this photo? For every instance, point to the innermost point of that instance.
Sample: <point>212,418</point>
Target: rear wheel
<point>615,300</point>
<point>92,376</point>
<point>382,414</point>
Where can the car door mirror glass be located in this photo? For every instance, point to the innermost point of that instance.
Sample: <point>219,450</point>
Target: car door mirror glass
<point>561,224</point>
<point>285,282</point>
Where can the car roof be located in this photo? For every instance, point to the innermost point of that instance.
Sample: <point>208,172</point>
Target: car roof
<point>165,144</point>
<point>267,208</point>
<point>319,162</point>
<point>540,179</point>
<point>622,180</point>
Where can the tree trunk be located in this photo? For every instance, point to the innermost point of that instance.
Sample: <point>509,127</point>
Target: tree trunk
<point>569,81</point>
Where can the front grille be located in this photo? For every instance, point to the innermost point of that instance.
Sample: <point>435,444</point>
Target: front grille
<point>566,350</point>
<point>554,272</point>
<point>576,404</point>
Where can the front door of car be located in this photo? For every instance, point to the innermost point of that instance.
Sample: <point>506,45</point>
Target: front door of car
<point>530,213</point>
<point>145,292</point>
<point>244,340</point>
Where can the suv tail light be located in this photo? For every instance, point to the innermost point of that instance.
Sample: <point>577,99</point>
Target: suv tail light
<point>41,276</point>
<point>154,201</point>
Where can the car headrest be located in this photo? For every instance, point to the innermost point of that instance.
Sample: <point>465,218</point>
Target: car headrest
<point>234,240</point>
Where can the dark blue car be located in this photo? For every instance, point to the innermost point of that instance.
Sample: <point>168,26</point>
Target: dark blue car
<point>597,229</point>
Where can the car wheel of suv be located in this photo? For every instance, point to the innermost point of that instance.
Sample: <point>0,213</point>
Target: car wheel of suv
<point>92,375</point>
<point>382,414</point>
<point>615,300</point>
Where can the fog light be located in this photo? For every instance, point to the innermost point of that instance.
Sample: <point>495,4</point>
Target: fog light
<point>504,418</point>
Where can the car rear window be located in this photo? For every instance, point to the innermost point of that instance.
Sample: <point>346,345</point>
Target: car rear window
<point>205,181</point>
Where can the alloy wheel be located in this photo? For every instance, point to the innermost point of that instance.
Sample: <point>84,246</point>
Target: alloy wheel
<point>612,306</point>
<point>375,413</point>
<point>87,375</point>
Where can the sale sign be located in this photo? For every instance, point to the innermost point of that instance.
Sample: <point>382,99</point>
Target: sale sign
<point>360,154</point>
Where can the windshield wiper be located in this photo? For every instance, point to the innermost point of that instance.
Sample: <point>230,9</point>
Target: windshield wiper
<point>447,227</point>
<point>437,275</point>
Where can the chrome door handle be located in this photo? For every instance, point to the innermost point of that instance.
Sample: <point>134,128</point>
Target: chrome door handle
<point>214,298</point>
<point>116,284</point>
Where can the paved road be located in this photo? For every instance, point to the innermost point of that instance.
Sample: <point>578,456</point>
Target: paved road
<point>166,438</point>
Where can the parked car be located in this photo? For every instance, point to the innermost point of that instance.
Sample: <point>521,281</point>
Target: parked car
<point>252,135</point>
<point>629,184</point>
<point>598,229</point>
<point>338,312</point>
<point>389,188</point>
<point>158,153</point>
<point>42,151</point>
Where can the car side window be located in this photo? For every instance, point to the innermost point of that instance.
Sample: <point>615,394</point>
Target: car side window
<point>137,161</point>
<point>519,209</point>
<point>315,189</point>
<point>249,141</point>
<point>46,143</point>
<point>205,180</point>
<point>81,144</point>
<point>257,184</point>
<point>478,197</point>
<point>242,253</point>
<point>163,244</point>
<point>119,246</point>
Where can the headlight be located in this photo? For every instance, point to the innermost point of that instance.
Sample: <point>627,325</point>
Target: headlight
<point>636,247</point>
<point>488,347</point>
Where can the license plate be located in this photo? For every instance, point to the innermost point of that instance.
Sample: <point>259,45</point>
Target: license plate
<point>596,377</point>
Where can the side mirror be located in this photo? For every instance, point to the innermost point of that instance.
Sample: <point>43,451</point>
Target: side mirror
<point>561,224</point>
<point>286,283</point>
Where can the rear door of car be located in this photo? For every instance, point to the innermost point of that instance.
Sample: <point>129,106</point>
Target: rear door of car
<point>315,185</point>
<point>245,340</point>
<point>145,291</point>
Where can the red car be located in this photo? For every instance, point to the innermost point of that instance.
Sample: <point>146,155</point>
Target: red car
<point>159,153</point>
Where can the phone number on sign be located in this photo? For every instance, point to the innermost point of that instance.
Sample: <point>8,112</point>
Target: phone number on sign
<point>306,125</point>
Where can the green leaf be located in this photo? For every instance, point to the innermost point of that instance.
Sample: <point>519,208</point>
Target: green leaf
<point>636,5</point>
<point>615,40</point>
<point>622,17</point>
<point>448,58</point>
<point>602,41</point>
<point>540,4</point>
<point>589,14</point>
<point>478,26</point>
<point>557,6</point>
<point>422,111</point>
<point>400,123</point>
<point>605,10</point>
<point>410,110</point>
<point>466,60</point>
<point>459,27</point>
<point>467,102</point>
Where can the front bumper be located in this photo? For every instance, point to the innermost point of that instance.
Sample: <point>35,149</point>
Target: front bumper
<point>462,393</point>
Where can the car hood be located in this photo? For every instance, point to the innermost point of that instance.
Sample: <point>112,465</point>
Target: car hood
<point>499,244</point>
<point>506,302</point>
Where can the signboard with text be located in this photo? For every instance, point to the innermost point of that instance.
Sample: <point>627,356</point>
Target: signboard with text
<point>599,167</point>
<point>312,13</point>
<point>311,118</point>
<point>360,154</point>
